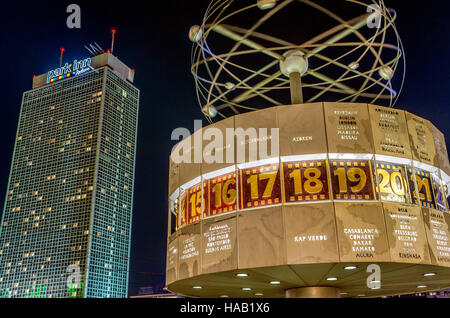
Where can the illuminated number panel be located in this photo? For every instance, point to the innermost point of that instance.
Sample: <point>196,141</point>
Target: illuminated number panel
<point>392,182</point>
<point>424,194</point>
<point>260,186</point>
<point>305,181</point>
<point>352,179</point>
<point>176,208</point>
<point>183,209</point>
<point>222,194</point>
<point>194,203</point>
<point>438,192</point>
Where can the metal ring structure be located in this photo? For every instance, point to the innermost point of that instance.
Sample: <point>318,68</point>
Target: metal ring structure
<point>351,62</point>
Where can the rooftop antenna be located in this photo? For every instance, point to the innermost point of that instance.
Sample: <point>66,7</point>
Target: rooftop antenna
<point>94,49</point>
<point>89,50</point>
<point>99,48</point>
<point>112,41</point>
<point>61,56</point>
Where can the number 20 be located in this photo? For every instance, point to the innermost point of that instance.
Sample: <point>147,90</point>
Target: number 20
<point>392,180</point>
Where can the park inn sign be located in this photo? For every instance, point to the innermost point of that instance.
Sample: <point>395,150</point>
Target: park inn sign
<point>74,69</point>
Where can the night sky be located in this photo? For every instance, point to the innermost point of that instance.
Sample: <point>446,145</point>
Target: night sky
<point>152,38</point>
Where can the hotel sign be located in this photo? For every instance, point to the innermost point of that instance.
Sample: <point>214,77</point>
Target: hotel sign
<point>68,70</point>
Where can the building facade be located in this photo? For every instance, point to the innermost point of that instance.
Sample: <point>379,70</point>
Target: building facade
<point>66,223</point>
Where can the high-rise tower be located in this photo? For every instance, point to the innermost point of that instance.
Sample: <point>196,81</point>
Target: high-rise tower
<point>69,200</point>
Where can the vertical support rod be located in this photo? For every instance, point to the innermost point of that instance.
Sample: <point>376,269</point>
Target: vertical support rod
<point>61,56</point>
<point>296,88</point>
<point>112,41</point>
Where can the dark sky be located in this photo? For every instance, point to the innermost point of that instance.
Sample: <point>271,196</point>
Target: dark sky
<point>152,38</point>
